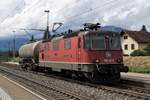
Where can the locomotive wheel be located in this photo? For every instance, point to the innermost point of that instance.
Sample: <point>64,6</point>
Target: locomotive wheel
<point>34,68</point>
<point>115,77</point>
<point>66,73</point>
<point>92,77</point>
<point>96,77</point>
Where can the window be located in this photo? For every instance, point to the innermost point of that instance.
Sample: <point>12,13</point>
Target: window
<point>125,37</point>
<point>67,44</point>
<point>114,42</point>
<point>46,46</point>
<point>97,42</point>
<point>79,42</point>
<point>87,41</point>
<point>56,45</point>
<point>94,41</point>
<point>132,46</point>
<point>126,47</point>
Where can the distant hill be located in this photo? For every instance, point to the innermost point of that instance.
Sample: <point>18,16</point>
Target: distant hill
<point>112,28</point>
<point>4,43</point>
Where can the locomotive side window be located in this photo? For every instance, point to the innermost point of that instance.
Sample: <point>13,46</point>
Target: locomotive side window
<point>56,45</point>
<point>46,46</point>
<point>67,43</point>
<point>79,42</point>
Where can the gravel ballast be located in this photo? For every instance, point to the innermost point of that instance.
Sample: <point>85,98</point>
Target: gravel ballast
<point>91,92</point>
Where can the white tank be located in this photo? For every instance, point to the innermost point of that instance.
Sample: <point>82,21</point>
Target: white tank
<point>30,50</point>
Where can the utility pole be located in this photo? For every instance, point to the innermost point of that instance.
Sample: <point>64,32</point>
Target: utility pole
<point>9,48</point>
<point>46,34</point>
<point>14,44</point>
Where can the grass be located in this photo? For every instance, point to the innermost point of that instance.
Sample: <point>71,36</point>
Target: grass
<point>145,69</point>
<point>16,59</point>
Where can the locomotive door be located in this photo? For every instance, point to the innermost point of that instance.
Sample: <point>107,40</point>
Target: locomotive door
<point>79,50</point>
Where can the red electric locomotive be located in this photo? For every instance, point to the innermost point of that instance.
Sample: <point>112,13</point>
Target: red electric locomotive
<point>91,53</point>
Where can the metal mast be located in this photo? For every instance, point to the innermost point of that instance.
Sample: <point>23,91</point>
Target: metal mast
<point>14,44</point>
<point>46,34</point>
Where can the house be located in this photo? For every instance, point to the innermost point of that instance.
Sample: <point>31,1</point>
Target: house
<point>134,40</point>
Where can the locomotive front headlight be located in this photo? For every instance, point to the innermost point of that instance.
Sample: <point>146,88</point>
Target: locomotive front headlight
<point>97,61</point>
<point>119,60</point>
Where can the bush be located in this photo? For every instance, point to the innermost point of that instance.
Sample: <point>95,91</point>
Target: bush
<point>137,69</point>
<point>147,50</point>
<point>138,53</point>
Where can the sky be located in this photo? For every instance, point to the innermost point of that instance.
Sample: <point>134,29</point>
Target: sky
<point>16,14</point>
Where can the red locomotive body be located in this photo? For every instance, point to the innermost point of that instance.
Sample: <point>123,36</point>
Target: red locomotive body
<point>94,54</point>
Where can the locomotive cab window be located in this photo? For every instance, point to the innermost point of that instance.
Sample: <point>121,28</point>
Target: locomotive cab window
<point>114,41</point>
<point>67,43</point>
<point>56,45</point>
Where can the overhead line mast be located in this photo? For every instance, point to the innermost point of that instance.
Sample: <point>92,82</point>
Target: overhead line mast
<point>47,33</point>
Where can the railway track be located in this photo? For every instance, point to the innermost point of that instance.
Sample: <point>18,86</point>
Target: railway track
<point>55,92</point>
<point>137,92</point>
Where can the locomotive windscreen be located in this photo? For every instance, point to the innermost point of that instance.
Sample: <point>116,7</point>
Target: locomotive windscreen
<point>96,41</point>
<point>114,42</point>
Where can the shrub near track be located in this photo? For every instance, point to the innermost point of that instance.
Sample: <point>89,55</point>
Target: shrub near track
<point>137,69</point>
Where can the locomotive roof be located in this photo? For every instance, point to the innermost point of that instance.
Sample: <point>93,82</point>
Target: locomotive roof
<point>57,38</point>
<point>101,32</point>
<point>76,33</point>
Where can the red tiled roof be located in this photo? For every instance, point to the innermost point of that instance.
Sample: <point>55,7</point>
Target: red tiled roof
<point>139,36</point>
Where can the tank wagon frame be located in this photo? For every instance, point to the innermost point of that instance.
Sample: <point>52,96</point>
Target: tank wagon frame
<point>29,55</point>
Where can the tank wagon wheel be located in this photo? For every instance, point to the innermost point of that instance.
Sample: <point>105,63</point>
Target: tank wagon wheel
<point>27,67</point>
<point>24,67</point>
<point>34,68</point>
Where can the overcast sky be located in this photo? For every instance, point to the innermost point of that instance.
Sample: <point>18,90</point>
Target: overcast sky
<point>129,14</point>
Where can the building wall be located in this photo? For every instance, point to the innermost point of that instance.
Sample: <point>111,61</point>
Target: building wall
<point>142,46</point>
<point>129,41</point>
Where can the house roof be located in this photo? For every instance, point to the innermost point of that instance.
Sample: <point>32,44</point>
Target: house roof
<point>139,36</point>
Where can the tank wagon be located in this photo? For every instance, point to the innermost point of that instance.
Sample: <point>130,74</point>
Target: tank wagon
<point>29,55</point>
<point>90,53</point>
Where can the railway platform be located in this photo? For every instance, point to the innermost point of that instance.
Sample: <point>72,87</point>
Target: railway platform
<point>144,78</point>
<point>11,90</point>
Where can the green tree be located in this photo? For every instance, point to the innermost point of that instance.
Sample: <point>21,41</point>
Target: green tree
<point>137,53</point>
<point>147,50</point>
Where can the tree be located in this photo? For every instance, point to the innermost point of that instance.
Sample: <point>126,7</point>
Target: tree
<point>137,53</point>
<point>147,50</point>
<point>144,28</point>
